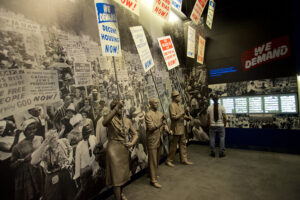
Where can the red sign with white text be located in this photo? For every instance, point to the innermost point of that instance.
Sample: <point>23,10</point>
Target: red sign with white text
<point>273,50</point>
<point>168,51</point>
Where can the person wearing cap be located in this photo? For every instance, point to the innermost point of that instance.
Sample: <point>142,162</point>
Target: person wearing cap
<point>66,121</point>
<point>117,154</point>
<point>28,179</point>
<point>156,124</point>
<point>55,156</point>
<point>216,119</point>
<point>177,116</point>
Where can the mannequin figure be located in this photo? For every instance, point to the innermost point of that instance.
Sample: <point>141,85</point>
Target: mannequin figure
<point>117,153</point>
<point>178,116</point>
<point>156,124</point>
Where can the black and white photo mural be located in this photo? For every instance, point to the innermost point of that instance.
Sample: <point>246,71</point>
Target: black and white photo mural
<point>54,81</point>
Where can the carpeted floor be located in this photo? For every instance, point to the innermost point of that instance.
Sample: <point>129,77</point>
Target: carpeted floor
<point>241,175</point>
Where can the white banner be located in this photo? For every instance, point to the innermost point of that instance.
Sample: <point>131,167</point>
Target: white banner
<point>168,50</point>
<point>43,86</point>
<point>210,13</point>
<point>191,42</point>
<point>177,4</point>
<point>83,74</point>
<point>162,8</point>
<point>108,28</point>
<point>201,48</point>
<point>14,94</point>
<point>197,10</point>
<point>132,5</point>
<point>142,47</point>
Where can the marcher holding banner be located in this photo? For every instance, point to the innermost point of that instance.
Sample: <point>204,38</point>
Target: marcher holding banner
<point>117,154</point>
<point>178,116</point>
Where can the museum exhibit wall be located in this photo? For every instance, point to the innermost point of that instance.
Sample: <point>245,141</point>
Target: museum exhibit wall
<point>52,41</point>
<point>237,70</point>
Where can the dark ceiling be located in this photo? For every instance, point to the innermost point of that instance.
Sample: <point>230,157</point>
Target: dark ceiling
<point>241,25</point>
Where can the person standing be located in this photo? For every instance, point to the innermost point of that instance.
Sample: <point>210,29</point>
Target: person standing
<point>28,178</point>
<point>178,116</point>
<point>117,153</point>
<point>216,119</point>
<point>156,124</point>
<point>56,157</point>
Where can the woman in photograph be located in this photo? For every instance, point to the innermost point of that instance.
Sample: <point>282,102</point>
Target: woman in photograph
<point>117,155</point>
<point>28,178</point>
<point>56,157</point>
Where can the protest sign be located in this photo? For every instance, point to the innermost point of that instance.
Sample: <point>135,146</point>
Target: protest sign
<point>42,85</point>
<point>210,13</point>
<point>177,4</point>
<point>142,47</point>
<point>14,94</point>
<point>201,49</point>
<point>197,10</point>
<point>132,5</point>
<point>191,42</point>
<point>108,28</point>
<point>168,51</point>
<point>83,74</point>
<point>162,8</point>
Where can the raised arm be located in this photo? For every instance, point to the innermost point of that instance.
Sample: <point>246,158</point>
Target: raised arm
<point>109,117</point>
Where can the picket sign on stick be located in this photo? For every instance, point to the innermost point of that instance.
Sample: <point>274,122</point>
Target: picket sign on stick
<point>142,46</point>
<point>108,27</point>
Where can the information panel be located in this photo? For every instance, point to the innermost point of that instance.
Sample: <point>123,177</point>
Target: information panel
<point>228,104</point>
<point>288,104</point>
<point>255,105</point>
<point>280,103</point>
<point>241,105</point>
<point>271,104</point>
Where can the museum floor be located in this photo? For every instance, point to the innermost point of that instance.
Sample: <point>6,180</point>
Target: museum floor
<point>243,174</point>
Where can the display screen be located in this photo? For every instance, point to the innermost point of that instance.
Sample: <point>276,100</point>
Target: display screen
<point>241,105</point>
<point>228,104</point>
<point>288,104</point>
<point>255,105</point>
<point>282,103</point>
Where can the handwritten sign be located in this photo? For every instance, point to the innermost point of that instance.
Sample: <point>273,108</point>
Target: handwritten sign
<point>210,13</point>
<point>162,8</point>
<point>201,48</point>
<point>43,85</point>
<point>191,42</point>
<point>142,47</point>
<point>168,50</point>
<point>13,93</point>
<point>108,28</point>
<point>197,10</point>
<point>132,5</point>
<point>83,74</point>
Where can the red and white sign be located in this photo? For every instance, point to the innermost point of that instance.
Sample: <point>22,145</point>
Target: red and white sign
<point>162,8</point>
<point>201,48</point>
<point>197,10</point>
<point>168,50</point>
<point>132,5</point>
<point>273,50</point>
